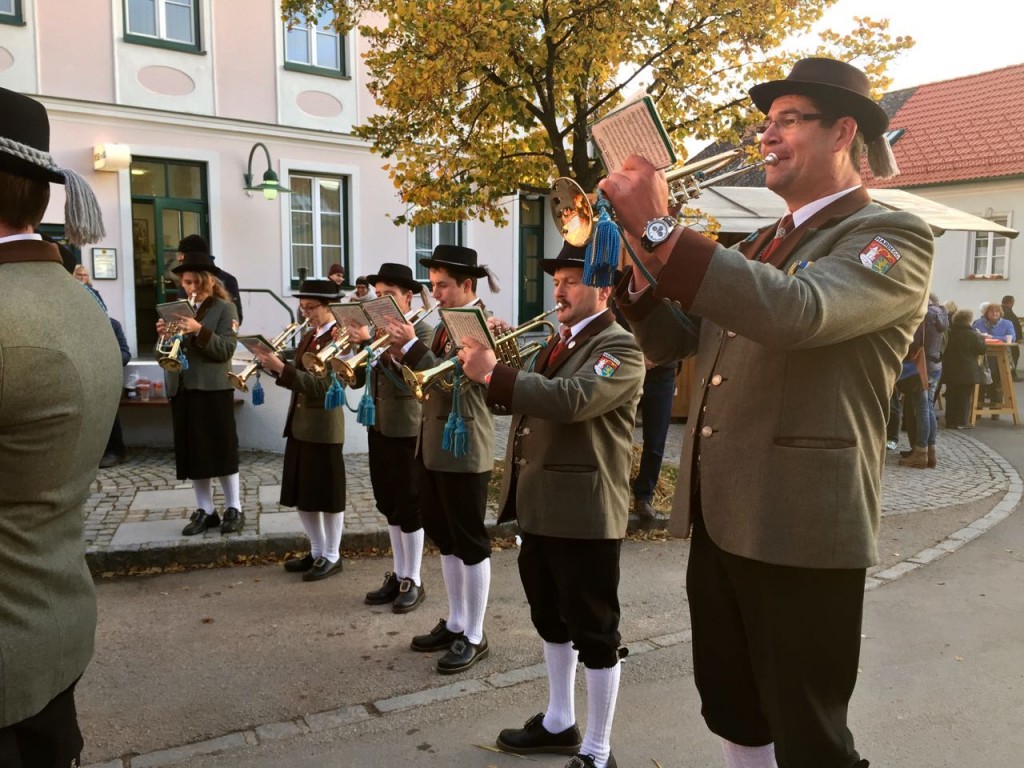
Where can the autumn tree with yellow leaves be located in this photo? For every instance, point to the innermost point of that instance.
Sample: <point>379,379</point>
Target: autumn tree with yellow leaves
<point>481,98</point>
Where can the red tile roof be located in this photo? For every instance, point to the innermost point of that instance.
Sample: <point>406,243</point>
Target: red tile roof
<point>964,129</point>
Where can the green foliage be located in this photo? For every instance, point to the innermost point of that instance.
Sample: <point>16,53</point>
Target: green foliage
<point>480,98</point>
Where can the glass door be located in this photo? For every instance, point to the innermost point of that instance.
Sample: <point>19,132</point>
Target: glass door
<point>531,251</point>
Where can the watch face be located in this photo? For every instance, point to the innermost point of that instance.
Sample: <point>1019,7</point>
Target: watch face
<point>657,231</point>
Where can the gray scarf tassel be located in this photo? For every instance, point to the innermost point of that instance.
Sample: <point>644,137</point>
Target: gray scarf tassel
<point>492,279</point>
<point>881,160</point>
<point>83,221</point>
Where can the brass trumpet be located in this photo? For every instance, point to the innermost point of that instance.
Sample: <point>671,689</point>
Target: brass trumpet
<point>240,380</point>
<point>316,362</point>
<point>573,211</point>
<point>506,349</point>
<point>346,369</point>
<point>169,354</point>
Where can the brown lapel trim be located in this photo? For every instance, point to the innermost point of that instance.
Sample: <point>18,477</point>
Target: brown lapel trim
<point>204,308</point>
<point>19,251</point>
<point>832,213</point>
<point>592,328</point>
<point>304,344</point>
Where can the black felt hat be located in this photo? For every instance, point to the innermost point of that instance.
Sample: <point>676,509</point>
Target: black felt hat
<point>193,244</point>
<point>836,85</point>
<point>455,258</point>
<point>396,274</point>
<point>323,290</point>
<point>196,262</point>
<point>570,256</point>
<point>24,120</point>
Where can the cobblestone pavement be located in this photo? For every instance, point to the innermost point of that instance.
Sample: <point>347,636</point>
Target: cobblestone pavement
<point>137,509</point>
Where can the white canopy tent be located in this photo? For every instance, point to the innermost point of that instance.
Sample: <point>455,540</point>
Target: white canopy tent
<point>744,209</point>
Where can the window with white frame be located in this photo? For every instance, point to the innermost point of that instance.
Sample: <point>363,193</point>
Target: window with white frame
<point>314,47</point>
<point>171,23</point>
<point>989,251</point>
<point>429,235</point>
<point>319,223</point>
<point>10,12</point>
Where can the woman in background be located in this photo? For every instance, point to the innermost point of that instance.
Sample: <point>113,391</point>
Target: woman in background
<point>202,398</point>
<point>961,370</point>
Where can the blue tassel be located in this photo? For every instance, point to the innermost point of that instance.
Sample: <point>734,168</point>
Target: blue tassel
<point>257,391</point>
<point>455,439</point>
<point>367,414</point>
<point>181,352</point>
<point>335,395</point>
<point>602,257</point>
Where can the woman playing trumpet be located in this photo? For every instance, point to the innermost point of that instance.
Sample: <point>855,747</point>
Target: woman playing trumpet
<point>202,399</point>
<point>313,479</point>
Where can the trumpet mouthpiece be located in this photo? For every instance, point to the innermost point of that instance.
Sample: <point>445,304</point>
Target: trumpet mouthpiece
<point>771,159</point>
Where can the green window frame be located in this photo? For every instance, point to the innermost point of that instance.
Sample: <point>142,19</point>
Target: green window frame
<point>11,13</point>
<point>316,49</point>
<point>170,24</point>
<point>319,223</point>
<point>426,236</point>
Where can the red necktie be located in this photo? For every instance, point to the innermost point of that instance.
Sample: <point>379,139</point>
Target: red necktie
<point>560,346</point>
<point>785,225</point>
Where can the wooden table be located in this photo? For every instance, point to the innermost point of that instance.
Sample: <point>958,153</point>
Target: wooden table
<point>1001,365</point>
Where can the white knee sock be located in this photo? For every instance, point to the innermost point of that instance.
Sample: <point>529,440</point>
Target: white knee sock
<point>232,494</point>
<point>451,570</point>
<point>313,522</point>
<point>203,490</point>
<point>412,551</point>
<point>333,523</point>
<point>560,659</point>
<point>738,756</point>
<point>602,690</point>
<point>397,552</point>
<point>477,585</point>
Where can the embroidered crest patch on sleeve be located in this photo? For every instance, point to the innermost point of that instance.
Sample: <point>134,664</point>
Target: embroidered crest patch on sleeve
<point>879,255</point>
<point>607,365</point>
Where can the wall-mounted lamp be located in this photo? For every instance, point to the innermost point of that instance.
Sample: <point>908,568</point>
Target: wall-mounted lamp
<point>111,157</point>
<point>270,186</point>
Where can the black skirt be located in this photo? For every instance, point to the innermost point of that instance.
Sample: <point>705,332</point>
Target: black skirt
<point>313,479</point>
<point>205,440</point>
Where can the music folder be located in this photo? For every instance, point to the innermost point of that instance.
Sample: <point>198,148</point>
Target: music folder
<point>461,322</point>
<point>173,311</point>
<point>256,342</point>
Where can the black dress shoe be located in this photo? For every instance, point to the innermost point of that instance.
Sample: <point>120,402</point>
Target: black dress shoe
<point>299,564</point>
<point>587,761</point>
<point>439,639</point>
<point>201,521</point>
<point>110,459</point>
<point>387,592</point>
<point>533,737</point>
<point>462,655</point>
<point>322,568</point>
<point>409,597</point>
<point>234,520</point>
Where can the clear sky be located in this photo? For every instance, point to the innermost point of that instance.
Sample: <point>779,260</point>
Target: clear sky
<point>953,39</point>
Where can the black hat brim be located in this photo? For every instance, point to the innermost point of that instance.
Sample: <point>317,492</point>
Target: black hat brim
<point>23,169</point>
<point>454,267</point>
<point>182,268</point>
<point>410,285</point>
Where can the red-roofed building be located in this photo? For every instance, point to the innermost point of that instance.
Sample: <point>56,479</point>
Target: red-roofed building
<point>961,143</point>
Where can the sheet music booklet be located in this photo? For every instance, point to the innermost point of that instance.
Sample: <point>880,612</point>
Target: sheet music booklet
<point>467,321</point>
<point>383,311</point>
<point>255,342</point>
<point>349,311</point>
<point>172,311</point>
<point>635,129</point>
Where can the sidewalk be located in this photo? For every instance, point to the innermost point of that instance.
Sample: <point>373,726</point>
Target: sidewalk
<point>134,516</point>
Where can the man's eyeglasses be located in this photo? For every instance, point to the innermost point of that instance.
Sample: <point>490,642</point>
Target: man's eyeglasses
<point>308,307</point>
<point>787,120</point>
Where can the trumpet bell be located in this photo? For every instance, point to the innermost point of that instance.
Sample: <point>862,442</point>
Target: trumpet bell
<point>572,211</point>
<point>172,364</point>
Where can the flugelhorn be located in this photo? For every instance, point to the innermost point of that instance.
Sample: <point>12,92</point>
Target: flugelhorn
<point>240,380</point>
<point>506,349</point>
<point>169,354</point>
<point>316,362</point>
<point>346,369</point>
<point>573,211</point>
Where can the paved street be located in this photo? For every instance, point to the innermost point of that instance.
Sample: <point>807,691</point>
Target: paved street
<point>250,666</point>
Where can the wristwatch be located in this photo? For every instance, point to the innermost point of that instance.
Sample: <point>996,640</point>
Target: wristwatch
<point>657,231</point>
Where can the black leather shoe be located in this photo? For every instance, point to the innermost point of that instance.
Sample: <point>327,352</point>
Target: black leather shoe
<point>387,592</point>
<point>644,511</point>
<point>201,520</point>
<point>322,568</point>
<point>299,564</point>
<point>462,655</point>
<point>110,459</point>
<point>533,737</point>
<point>587,761</point>
<point>409,597</point>
<point>440,638</point>
<point>234,520</point>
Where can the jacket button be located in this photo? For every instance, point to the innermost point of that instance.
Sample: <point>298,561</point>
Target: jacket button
<point>526,431</point>
<point>521,462</point>
<point>730,334</point>
<point>426,397</point>
<point>716,379</point>
<point>706,431</point>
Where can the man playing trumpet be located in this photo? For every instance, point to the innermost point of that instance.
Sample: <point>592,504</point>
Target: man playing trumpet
<point>567,480</point>
<point>392,446</point>
<point>799,332</point>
